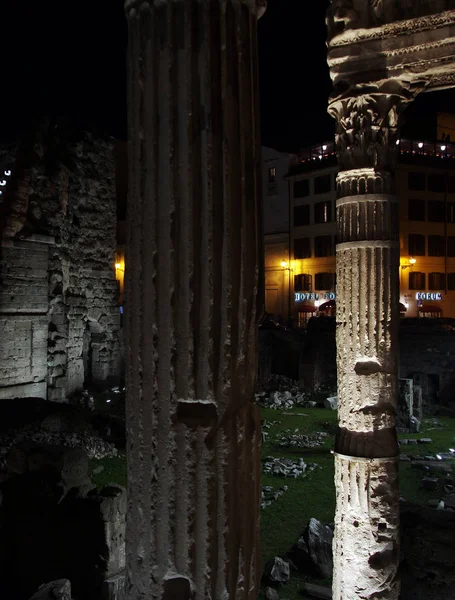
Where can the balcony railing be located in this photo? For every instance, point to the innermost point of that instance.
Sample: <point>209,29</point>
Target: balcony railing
<point>325,150</point>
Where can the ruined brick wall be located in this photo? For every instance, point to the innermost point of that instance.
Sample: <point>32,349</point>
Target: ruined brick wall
<point>427,355</point>
<point>70,198</point>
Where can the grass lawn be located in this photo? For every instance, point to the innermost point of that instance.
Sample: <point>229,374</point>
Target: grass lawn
<point>312,496</point>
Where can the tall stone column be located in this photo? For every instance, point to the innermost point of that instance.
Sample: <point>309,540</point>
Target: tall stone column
<point>366,541</point>
<point>191,307</point>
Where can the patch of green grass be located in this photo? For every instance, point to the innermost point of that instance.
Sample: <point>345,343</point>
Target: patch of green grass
<point>313,496</point>
<point>410,478</point>
<point>114,470</point>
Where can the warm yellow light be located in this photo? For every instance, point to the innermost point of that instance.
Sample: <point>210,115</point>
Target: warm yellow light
<point>118,266</point>
<point>284,264</point>
<point>412,261</point>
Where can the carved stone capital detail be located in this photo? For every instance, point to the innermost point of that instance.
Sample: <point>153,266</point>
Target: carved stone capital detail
<point>367,120</point>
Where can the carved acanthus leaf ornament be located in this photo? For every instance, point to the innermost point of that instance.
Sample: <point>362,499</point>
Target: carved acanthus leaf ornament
<point>367,120</point>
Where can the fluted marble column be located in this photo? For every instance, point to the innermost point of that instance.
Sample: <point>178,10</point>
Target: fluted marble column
<point>366,541</point>
<point>192,281</point>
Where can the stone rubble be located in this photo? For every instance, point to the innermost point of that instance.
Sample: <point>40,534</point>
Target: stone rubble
<point>270,495</point>
<point>94,446</point>
<point>271,594</point>
<point>313,552</point>
<point>295,439</point>
<point>276,571</point>
<point>281,383</point>
<point>331,402</point>
<point>60,589</point>
<point>286,467</point>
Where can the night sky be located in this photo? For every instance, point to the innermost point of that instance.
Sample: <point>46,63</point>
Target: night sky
<point>69,58</point>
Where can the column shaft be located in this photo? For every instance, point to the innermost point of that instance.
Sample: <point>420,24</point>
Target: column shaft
<point>366,540</point>
<point>191,288</point>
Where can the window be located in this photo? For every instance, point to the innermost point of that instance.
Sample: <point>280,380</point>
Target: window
<point>416,244</point>
<point>322,184</point>
<point>436,281</point>
<point>322,212</point>
<point>416,280</point>
<point>451,281</point>
<point>324,281</point>
<point>272,174</point>
<point>416,210</point>
<point>451,212</point>
<point>301,188</point>
<point>302,248</point>
<point>436,245</point>
<point>301,215</point>
<point>323,246</point>
<point>436,183</point>
<point>451,185</point>
<point>417,182</point>
<point>451,245</point>
<point>436,211</point>
<point>302,282</point>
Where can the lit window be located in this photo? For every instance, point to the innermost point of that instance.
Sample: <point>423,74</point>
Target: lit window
<point>302,282</point>
<point>272,174</point>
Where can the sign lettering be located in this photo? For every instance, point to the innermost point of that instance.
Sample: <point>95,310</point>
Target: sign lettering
<point>299,296</point>
<point>428,296</point>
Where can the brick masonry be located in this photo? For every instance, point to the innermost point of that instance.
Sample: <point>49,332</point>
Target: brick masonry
<point>59,309</point>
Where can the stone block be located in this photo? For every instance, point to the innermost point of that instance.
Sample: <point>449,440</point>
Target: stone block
<point>114,587</point>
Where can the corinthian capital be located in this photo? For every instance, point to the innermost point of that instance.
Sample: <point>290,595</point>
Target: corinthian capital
<point>367,120</point>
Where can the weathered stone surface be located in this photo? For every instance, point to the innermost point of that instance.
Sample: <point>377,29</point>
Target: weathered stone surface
<point>59,301</point>
<point>59,589</point>
<point>313,552</point>
<point>405,403</point>
<point>114,587</point>
<point>271,594</point>
<point>191,295</point>
<point>366,541</point>
<point>276,571</point>
<point>331,402</point>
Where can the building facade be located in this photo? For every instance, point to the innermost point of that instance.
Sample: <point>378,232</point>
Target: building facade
<point>277,248</point>
<point>305,265</point>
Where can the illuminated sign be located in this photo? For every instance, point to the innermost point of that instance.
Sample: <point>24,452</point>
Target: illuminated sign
<point>299,296</point>
<point>429,296</point>
<point>305,296</point>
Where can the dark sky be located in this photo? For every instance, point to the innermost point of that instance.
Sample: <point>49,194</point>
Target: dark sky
<point>60,57</point>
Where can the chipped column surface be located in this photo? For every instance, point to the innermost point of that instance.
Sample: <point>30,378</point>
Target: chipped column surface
<point>191,301</point>
<point>366,540</point>
<point>366,529</point>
